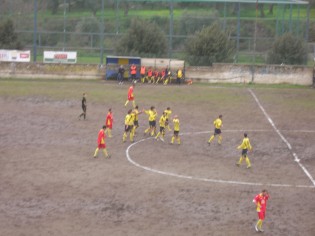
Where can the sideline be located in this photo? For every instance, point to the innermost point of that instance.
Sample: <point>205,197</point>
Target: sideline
<point>296,158</point>
<point>204,179</point>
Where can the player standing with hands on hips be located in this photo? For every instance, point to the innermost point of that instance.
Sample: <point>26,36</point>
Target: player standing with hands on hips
<point>217,130</point>
<point>261,203</point>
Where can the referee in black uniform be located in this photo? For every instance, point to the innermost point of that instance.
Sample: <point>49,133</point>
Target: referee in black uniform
<point>83,107</point>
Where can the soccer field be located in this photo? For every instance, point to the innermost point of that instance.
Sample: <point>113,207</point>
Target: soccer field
<point>51,184</point>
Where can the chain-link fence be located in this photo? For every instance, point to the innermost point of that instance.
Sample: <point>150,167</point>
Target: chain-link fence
<point>93,28</point>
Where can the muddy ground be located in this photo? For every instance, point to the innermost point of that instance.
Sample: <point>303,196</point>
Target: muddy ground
<point>51,185</point>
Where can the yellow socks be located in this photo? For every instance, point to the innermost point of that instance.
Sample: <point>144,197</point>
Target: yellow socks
<point>248,162</point>
<point>96,152</point>
<point>124,137</point>
<point>220,139</point>
<point>104,150</point>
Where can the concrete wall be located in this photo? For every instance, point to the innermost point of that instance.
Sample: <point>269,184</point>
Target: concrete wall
<point>266,74</point>
<point>50,71</point>
<point>218,73</point>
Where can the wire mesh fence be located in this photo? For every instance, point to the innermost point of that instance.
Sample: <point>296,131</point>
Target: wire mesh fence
<point>94,28</point>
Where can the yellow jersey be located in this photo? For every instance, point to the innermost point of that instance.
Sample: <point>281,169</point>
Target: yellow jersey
<point>162,121</point>
<point>129,119</point>
<point>132,118</point>
<point>176,124</point>
<point>136,113</point>
<point>152,114</point>
<point>217,123</point>
<point>168,113</point>
<point>245,144</point>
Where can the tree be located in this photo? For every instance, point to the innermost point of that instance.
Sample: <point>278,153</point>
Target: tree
<point>142,39</point>
<point>288,49</point>
<point>8,38</point>
<point>208,46</point>
<point>53,5</point>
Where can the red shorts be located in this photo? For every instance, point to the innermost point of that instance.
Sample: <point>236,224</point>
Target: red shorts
<point>130,98</point>
<point>101,146</point>
<point>261,215</point>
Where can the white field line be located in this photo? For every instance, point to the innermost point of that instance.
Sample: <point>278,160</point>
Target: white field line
<point>203,179</point>
<point>296,158</point>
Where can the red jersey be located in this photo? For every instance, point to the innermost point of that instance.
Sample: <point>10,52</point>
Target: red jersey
<point>101,139</point>
<point>261,202</point>
<point>142,70</point>
<point>109,120</point>
<point>130,93</point>
<point>150,72</point>
<point>163,73</point>
<point>133,69</point>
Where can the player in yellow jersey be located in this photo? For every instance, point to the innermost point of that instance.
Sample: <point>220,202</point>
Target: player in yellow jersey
<point>176,130</point>
<point>168,112</point>
<point>136,120</point>
<point>152,121</point>
<point>245,146</point>
<point>162,123</point>
<point>217,130</point>
<point>129,119</point>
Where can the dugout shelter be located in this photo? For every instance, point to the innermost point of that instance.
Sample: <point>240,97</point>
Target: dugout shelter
<point>114,62</point>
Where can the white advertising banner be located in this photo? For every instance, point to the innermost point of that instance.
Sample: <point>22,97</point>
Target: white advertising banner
<point>60,57</point>
<point>15,55</point>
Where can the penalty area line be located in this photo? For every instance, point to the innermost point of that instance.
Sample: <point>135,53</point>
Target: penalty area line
<point>202,179</point>
<point>296,159</point>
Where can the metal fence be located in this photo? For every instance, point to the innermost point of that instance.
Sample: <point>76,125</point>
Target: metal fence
<point>253,25</point>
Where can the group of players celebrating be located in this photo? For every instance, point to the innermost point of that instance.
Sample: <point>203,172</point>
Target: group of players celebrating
<point>132,123</point>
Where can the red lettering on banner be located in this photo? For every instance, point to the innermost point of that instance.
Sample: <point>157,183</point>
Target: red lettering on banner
<point>24,55</point>
<point>60,56</point>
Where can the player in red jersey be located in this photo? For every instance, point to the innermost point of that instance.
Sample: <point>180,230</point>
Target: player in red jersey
<point>109,122</point>
<point>131,97</point>
<point>261,203</point>
<point>101,143</point>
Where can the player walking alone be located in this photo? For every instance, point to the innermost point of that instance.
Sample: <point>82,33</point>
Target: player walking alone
<point>261,203</point>
<point>101,143</point>
<point>83,107</point>
<point>245,146</point>
<point>109,123</point>
<point>176,130</point>
<point>131,97</point>
<point>217,130</point>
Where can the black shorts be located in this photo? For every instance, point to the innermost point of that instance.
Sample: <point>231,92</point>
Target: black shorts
<point>128,128</point>
<point>217,131</point>
<point>152,123</point>
<point>84,108</point>
<point>162,129</point>
<point>244,152</point>
<point>176,133</point>
<point>136,123</point>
